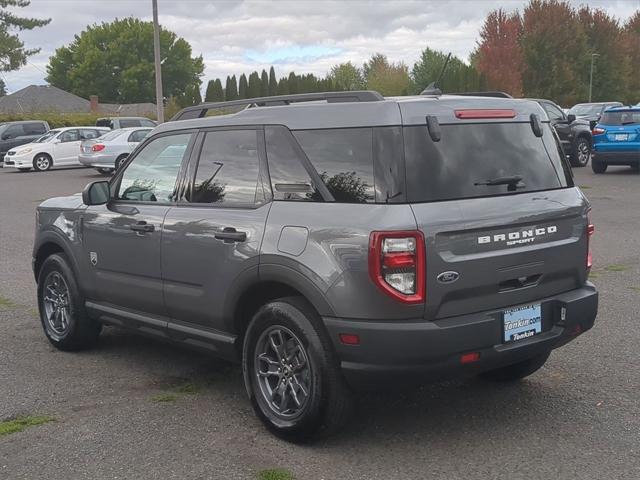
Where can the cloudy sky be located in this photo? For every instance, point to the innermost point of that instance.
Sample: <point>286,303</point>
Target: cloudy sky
<point>304,35</point>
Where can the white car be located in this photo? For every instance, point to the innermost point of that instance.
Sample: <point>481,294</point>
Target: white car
<point>57,147</point>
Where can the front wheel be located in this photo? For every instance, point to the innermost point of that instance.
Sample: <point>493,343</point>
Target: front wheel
<point>517,371</point>
<point>64,319</point>
<point>120,160</point>
<point>581,153</point>
<point>42,162</point>
<point>291,374</point>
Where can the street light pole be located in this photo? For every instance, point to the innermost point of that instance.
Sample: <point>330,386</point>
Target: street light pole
<point>156,54</point>
<point>593,56</point>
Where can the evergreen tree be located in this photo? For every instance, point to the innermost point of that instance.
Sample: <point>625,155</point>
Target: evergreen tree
<point>254,85</point>
<point>243,87</point>
<point>283,86</point>
<point>346,76</point>
<point>264,84</point>
<point>3,88</point>
<point>273,82</point>
<point>231,89</point>
<point>214,91</point>
<point>293,83</point>
<point>13,55</point>
<point>208,95</point>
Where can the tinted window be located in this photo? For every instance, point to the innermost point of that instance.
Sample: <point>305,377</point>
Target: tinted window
<point>69,136</point>
<point>151,175</point>
<point>138,136</point>
<point>289,179</point>
<point>104,122</point>
<point>343,159</point>
<point>554,113</point>
<point>468,156</point>
<point>147,123</point>
<point>86,134</point>
<point>228,169</point>
<point>127,123</point>
<point>629,117</point>
<point>34,129</point>
<point>13,131</point>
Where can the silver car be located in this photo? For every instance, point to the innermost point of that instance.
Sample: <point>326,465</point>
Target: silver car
<point>106,153</point>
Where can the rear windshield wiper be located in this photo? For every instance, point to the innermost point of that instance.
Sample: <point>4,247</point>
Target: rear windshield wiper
<point>512,181</point>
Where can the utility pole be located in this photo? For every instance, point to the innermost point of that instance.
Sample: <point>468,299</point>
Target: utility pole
<point>593,56</point>
<point>156,54</point>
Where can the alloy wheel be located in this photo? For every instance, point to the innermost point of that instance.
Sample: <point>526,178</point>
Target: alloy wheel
<point>282,372</point>
<point>56,303</point>
<point>584,152</point>
<point>43,162</point>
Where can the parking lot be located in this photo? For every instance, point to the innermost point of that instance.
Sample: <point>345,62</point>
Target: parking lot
<point>137,408</point>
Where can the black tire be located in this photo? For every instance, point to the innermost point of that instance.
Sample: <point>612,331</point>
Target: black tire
<point>598,167</point>
<point>24,170</point>
<point>105,171</point>
<point>120,160</point>
<point>328,403</point>
<point>42,162</point>
<point>517,371</point>
<point>81,331</point>
<point>581,152</point>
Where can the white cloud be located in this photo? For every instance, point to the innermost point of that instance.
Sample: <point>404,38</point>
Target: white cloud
<point>305,36</point>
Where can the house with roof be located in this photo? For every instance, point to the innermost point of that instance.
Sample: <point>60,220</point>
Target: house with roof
<point>49,99</point>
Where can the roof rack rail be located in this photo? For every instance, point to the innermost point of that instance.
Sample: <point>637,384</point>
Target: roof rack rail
<point>199,111</point>
<point>494,94</point>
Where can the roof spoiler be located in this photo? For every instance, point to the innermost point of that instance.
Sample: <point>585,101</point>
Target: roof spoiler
<point>199,111</point>
<point>494,94</point>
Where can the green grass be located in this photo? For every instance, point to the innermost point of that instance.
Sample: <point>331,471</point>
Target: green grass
<point>188,389</point>
<point>275,474</point>
<point>616,268</point>
<point>16,425</point>
<point>6,303</point>
<point>165,398</point>
<point>593,275</point>
<point>635,289</point>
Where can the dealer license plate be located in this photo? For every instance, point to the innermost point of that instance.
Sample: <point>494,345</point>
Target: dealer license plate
<point>522,322</point>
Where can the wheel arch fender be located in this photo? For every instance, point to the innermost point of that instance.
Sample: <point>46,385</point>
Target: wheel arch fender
<point>48,243</point>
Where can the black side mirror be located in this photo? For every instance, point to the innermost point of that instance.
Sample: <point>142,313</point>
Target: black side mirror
<point>571,118</point>
<point>96,193</point>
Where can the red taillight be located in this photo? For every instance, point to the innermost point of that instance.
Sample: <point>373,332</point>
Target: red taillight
<point>485,113</point>
<point>397,264</point>
<point>591,228</point>
<point>98,147</point>
<point>349,339</point>
<point>598,131</point>
<point>470,357</point>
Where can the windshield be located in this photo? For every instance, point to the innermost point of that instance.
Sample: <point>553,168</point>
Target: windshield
<point>585,110</point>
<point>482,160</point>
<point>629,117</point>
<point>111,135</point>
<point>47,136</point>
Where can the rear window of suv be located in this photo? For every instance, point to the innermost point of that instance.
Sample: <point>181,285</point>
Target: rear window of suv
<point>468,156</point>
<point>628,117</point>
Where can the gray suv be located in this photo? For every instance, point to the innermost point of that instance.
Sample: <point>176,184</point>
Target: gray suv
<point>331,242</point>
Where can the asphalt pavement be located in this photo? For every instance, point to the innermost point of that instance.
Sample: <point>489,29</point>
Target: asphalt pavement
<point>137,408</point>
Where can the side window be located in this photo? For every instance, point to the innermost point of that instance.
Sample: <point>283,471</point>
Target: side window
<point>69,136</point>
<point>152,175</point>
<point>147,123</point>
<point>128,123</point>
<point>553,112</point>
<point>86,134</point>
<point>289,179</point>
<point>228,170</point>
<point>344,160</point>
<point>138,136</point>
<point>34,129</point>
<point>13,131</point>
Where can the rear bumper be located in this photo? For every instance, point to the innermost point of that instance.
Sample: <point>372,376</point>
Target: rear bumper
<point>617,158</point>
<point>427,351</point>
<point>97,161</point>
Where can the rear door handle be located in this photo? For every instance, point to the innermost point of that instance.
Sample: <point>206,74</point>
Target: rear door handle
<point>142,227</point>
<point>230,234</point>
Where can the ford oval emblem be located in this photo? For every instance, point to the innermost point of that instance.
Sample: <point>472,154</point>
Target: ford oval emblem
<point>448,277</point>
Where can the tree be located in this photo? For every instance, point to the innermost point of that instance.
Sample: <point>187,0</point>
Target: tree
<point>612,70</point>
<point>555,52</point>
<point>243,87</point>
<point>283,86</point>
<point>231,89</point>
<point>115,61</point>
<point>346,76</point>
<point>499,56</point>
<point>292,83</point>
<point>264,84</point>
<point>632,47</point>
<point>3,88</point>
<point>254,85</point>
<point>457,77</point>
<point>190,96</point>
<point>273,82</point>
<point>384,77</point>
<point>13,55</point>
<point>214,91</point>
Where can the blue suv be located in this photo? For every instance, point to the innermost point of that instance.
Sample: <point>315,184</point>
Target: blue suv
<point>616,139</point>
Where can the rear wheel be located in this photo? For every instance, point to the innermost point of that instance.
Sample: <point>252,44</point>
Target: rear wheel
<point>105,171</point>
<point>517,371</point>
<point>42,162</point>
<point>598,167</point>
<point>120,160</point>
<point>64,319</point>
<point>291,374</point>
<point>581,152</point>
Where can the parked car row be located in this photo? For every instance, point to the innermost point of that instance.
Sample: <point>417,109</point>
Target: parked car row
<point>27,145</point>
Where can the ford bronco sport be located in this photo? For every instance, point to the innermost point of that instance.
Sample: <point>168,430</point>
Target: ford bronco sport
<point>328,241</point>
